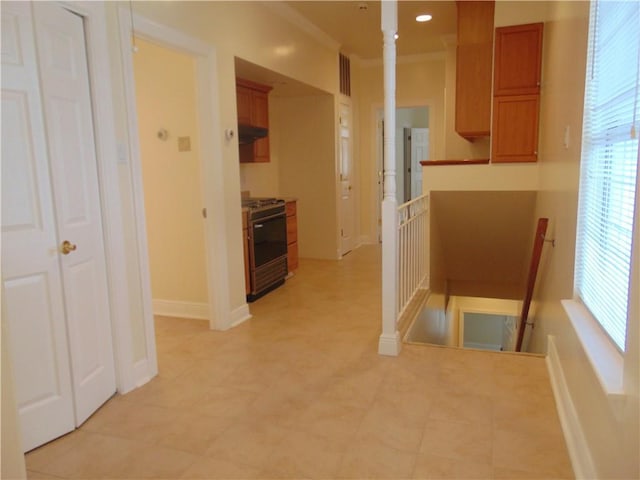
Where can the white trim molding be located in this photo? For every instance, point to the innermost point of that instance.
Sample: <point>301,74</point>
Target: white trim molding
<point>211,154</point>
<point>180,309</point>
<point>389,344</point>
<point>97,42</point>
<point>240,315</point>
<point>579,452</point>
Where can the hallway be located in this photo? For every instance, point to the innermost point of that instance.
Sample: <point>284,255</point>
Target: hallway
<point>299,391</point>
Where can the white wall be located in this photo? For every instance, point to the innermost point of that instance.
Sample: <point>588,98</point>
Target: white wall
<point>307,169</point>
<point>248,30</point>
<point>166,99</point>
<point>610,430</point>
<point>417,83</point>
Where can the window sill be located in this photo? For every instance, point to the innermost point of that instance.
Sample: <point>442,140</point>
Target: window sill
<point>607,362</point>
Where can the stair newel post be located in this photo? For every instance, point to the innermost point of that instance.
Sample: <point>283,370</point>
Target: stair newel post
<point>389,343</point>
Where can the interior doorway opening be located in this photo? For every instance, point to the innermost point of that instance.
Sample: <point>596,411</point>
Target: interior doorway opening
<point>168,130</point>
<point>412,146</point>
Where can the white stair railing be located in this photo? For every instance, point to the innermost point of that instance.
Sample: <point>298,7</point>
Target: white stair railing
<point>412,249</point>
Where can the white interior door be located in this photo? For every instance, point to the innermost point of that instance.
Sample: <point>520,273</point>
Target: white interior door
<point>31,282</point>
<point>346,181</point>
<point>57,304</point>
<point>419,152</point>
<point>69,123</point>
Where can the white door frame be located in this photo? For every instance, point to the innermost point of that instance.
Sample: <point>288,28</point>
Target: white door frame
<point>95,21</point>
<point>345,101</point>
<point>210,148</point>
<point>377,117</point>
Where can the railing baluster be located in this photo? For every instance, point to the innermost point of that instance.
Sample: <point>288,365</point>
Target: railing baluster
<point>412,254</point>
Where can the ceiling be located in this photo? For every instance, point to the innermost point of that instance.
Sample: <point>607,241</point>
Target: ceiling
<point>355,25</point>
<point>358,32</point>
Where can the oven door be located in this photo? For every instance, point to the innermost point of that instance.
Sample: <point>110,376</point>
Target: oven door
<point>268,239</point>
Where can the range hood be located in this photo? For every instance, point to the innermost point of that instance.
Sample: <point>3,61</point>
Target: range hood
<point>248,134</point>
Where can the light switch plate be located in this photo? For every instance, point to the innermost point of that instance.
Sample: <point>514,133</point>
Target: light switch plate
<point>184,144</point>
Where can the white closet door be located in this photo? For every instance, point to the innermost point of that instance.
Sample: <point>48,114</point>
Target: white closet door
<point>55,306</point>
<point>76,191</point>
<point>32,295</point>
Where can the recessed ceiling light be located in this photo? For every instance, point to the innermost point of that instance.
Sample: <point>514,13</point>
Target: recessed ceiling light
<point>425,17</point>
<point>396,36</point>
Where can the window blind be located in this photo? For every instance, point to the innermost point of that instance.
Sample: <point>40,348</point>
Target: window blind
<point>609,165</point>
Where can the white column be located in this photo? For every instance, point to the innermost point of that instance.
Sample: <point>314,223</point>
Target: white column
<point>389,343</point>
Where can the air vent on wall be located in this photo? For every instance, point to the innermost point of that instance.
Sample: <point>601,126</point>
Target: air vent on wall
<point>345,75</point>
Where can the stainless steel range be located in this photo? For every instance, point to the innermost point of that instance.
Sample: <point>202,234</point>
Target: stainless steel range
<point>267,244</point>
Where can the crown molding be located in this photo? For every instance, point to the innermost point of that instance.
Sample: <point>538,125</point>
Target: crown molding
<point>300,21</point>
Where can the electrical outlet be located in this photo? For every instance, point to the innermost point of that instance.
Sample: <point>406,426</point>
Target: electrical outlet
<point>184,144</point>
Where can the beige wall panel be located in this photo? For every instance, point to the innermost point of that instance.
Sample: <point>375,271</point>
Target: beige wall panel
<point>417,84</point>
<point>611,431</point>
<point>306,146</point>
<point>166,99</point>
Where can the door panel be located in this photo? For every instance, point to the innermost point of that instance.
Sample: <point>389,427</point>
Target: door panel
<point>31,283</point>
<point>346,182</point>
<point>419,152</point>
<point>69,122</point>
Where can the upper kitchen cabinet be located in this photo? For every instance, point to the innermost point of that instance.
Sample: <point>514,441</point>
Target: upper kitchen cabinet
<point>516,93</point>
<point>518,60</point>
<point>473,68</point>
<point>253,120</point>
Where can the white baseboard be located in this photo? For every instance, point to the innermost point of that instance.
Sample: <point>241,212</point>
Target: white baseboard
<point>366,240</point>
<point>176,308</point>
<point>574,436</point>
<point>240,315</point>
<point>143,372</point>
<point>389,344</point>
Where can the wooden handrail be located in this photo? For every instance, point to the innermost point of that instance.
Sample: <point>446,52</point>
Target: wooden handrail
<point>538,243</point>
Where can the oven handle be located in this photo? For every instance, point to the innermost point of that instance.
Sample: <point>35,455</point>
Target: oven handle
<point>262,220</point>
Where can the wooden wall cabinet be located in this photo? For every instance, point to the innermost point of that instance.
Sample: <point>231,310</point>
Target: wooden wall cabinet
<point>292,235</point>
<point>515,128</point>
<point>518,60</point>
<point>252,101</point>
<point>473,68</point>
<point>516,93</point>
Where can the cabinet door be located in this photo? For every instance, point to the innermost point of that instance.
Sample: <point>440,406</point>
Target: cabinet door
<point>260,109</point>
<point>475,21</point>
<point>473,90</point>
<point>292,229</point>
<point>515,129</point>
<point>261,150</point>
<point>518,60</point>
<point>244,101</point>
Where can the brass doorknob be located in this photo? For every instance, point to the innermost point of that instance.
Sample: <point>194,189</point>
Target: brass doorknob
<point>67,247</point>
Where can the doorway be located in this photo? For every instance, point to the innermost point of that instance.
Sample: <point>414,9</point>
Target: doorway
<point>412,146</point>
<point>346,180</point>
<point>168,131</point>
<point>219,312</point>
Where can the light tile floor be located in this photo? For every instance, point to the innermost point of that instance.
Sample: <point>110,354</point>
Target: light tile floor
<point>300,392</point>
